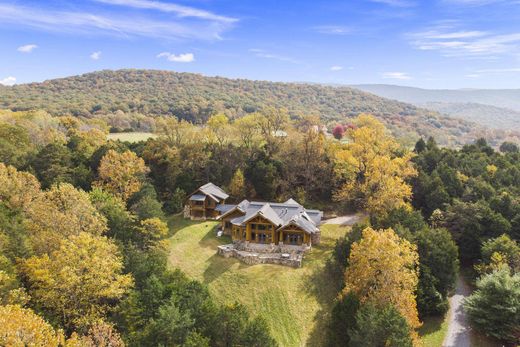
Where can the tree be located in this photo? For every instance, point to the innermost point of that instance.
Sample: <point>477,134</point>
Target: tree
<point>380,327</point>
<point>18,189</point>
<point>100,334</point>
<point>494,307</point>
<point>509,147</point>
<point>382,269</point>
<point>371,169</point>
<point>343,319</point>
<point>119,221</point>
<point>218,124</point>
<point>152,230</point>
<point>22,327</point>
<point>338,131</point>
<point>508,249</point>
<point>237,185</point>
<point>78,283</point>
<point>54,164</point>
<point>438,258</point>
<point>121,174</point>
<point>59,213</point>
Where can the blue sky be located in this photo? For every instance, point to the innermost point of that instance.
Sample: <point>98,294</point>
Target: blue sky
<point>432,44</point>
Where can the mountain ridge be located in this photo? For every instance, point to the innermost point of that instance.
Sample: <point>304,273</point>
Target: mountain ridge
<point>195,97</point>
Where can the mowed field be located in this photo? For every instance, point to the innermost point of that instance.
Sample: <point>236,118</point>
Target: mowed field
<point>131,136</point>
<point>295,302</point>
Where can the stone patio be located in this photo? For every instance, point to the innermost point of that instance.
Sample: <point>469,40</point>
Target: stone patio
<point>252,254</point>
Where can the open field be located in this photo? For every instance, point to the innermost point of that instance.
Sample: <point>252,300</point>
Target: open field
<point>295,302</point>
<point>131,136</point>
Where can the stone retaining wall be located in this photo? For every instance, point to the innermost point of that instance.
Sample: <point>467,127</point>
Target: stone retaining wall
<point>287,259</point>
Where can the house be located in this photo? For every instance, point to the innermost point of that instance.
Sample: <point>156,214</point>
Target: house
<point>206,202</point>
<point>269,223</point>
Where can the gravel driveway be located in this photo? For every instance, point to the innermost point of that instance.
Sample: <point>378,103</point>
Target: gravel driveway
<point>343,220</point>
<point>459,331</point>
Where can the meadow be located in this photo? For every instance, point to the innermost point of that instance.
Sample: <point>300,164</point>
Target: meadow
<point>295,302</point>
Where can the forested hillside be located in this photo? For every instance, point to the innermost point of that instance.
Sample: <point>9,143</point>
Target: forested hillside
<point>494,108</point>
<point>195,98</point>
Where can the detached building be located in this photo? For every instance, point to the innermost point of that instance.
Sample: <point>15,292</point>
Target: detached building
<point>202,204</point>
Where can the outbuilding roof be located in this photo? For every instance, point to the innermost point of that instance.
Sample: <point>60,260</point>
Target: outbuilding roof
<point>198,197</point>
<point>214,191</point>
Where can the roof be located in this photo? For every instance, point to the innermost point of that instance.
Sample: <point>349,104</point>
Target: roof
<point>214,192</point>
<point>241,207</point>
<point>224,208</point>
<point>280,214</point>
<point>198,197</point>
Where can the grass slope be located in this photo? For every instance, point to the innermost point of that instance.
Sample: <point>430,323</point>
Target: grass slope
<point>295,302</point>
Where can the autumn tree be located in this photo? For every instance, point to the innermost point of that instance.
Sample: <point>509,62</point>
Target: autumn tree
<point>219,128</point>
<point>61,212</point>
<point>18,189</point>
<point>338,131</point>
<point>78,283</point>
<point>372,169</point>
<point>247,130</point>
<point>237,185</point>
<point>383,270</point>
<point>22,327</point>
<point>121,174</point>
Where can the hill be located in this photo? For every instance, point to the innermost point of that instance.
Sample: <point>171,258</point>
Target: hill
<point>195,97</point>
<point>496,108</point>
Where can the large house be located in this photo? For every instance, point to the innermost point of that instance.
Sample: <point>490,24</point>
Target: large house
<point>269,223</point>
<point>204,203</point>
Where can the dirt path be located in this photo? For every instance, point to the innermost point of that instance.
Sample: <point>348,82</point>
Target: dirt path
<point>344,220</point>
<point>459,331</point>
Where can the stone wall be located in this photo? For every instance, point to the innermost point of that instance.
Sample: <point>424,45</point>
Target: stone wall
<point>252,258</point>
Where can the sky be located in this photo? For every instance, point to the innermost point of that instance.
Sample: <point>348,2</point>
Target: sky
<point>430,44</point>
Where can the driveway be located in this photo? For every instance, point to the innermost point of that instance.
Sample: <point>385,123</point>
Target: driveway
<point>347,220</point>
<point>459,331</point>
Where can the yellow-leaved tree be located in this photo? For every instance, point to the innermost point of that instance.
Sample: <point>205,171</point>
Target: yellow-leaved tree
<point>17,189</point>
<point>121,174</point>
<point>383,270</point>
<point>237,185</point>
<point>78,283</point>
<point>22,327</point>
<point>58,213</point>
<point>372,168</point>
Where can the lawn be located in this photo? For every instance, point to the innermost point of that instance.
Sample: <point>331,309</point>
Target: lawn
<point>433,331</point>
<point>295,302</point>
<point>130,136</point>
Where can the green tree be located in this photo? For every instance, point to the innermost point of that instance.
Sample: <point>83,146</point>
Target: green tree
<point>380,327</point>
<point>494,307</point>
<point>438,268</point>
<point>342,319</point>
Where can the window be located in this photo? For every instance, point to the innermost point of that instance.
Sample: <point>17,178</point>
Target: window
<point>293,239</point>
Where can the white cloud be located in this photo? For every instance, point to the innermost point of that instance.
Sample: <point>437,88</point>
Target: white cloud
<point>396,76</point>
<point>27,48</point>
<point>336,68</point>
<point>451,42</point>
<point>268,55</point>
<point>95,55</point>
<point>111,23</point>
<point>332,29</point>
<point>8,81</point>
<point>502,70</point>
<point>181,58</point>
<point>181,11</point>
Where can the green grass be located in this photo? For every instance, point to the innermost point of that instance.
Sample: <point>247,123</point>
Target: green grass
<point>433,331</point>
<point>131,136</point>
<point>295,302</point>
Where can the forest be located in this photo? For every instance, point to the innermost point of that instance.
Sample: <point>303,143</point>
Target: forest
<point>195,98</point>
<point>84,233</point>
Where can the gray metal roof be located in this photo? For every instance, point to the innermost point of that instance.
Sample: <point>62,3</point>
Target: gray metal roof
<point>224,208</point>
<point>214,191</point>
<point>280,214</point>
<point>198,197</point>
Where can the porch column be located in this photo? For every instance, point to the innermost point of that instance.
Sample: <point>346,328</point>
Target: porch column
<point>248,232</point>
